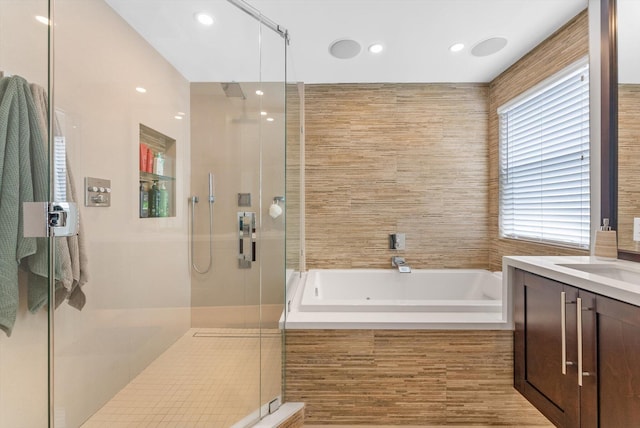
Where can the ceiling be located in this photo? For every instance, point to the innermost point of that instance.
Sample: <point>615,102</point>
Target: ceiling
<point>416,35</point>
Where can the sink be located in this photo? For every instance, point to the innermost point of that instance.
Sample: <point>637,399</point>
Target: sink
<point>608,270</point>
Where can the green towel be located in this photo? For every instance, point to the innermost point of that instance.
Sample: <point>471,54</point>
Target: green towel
<point>23,178</point>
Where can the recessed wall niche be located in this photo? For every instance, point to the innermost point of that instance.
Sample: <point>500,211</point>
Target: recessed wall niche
<point>157,174</point>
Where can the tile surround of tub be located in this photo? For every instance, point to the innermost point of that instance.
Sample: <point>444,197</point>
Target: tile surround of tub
<point>394,377</point>
<point>565,46</point>
<point>384,158</point>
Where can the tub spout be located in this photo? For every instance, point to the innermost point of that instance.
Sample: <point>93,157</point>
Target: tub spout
<point>401,264</point>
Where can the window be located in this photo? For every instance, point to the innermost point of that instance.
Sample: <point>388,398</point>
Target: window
<point>544,161</point>
<point>59,160</point>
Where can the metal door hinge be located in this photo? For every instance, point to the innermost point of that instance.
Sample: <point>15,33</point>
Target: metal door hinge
<point>45,219</point>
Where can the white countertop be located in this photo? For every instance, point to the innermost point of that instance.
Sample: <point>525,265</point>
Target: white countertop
<point>549,266</point>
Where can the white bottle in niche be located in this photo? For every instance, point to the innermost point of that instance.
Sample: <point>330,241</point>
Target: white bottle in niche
<point>158,164</point>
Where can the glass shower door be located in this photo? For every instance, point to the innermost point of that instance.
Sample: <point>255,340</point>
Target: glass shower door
<point>272,213</point>
<point>24,158</point>
<point>148,339</point>
<point>237,133</point>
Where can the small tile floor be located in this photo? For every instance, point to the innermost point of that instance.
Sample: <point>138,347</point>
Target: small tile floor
<point>208,378</point>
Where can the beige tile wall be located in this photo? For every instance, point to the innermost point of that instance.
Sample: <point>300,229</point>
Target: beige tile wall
<point>566,46</point>
<point>410,377</point>
<point>384,158</point>
<point>628,155</point>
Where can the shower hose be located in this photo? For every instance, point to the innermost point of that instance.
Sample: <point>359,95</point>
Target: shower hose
<point>194,201</point>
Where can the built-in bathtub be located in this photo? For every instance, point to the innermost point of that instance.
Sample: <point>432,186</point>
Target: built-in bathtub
<point>461,299</point>
<point>380,347</point>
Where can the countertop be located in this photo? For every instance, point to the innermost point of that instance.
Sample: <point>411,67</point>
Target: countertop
<point>549,266</point>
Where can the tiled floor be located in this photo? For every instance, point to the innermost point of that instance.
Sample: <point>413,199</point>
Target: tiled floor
<point>208,378</point>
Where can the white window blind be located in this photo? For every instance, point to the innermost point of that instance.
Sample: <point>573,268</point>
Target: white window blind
<point>59,160</point>
<point>544,162</point>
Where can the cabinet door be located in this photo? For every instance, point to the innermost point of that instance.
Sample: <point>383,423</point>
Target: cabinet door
<point>617,331</point>
<point>541,373</point>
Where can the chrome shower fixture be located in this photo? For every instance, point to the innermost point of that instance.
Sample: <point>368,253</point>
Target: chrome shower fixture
<point>194,200</point>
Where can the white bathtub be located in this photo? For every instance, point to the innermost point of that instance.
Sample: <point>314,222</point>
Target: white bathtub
<point>387,299</point>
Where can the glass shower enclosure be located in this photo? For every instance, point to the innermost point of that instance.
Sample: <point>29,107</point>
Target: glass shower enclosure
<point>171,143</point>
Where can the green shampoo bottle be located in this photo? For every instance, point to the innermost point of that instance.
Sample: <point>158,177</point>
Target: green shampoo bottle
<point>154,200</point>
<point>163,203</point>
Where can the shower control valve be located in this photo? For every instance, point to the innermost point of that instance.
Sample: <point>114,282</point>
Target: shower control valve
<point>97,193</point>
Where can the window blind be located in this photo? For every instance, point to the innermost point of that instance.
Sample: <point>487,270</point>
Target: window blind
<point>60,169</point>
<point>544,162</point>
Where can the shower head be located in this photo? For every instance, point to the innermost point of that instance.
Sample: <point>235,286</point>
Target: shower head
<point>233,90</point>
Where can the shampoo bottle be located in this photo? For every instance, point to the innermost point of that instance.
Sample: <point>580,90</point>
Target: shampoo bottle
<point>144,200</point>
<point>154,200</point>
<point>158,164</point>
<point>163,205</point>
<point>150,157</point>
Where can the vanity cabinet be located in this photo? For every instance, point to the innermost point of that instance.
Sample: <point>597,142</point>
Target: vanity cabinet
<point>576,353</point>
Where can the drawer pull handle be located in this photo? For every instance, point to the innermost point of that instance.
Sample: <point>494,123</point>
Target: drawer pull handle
<point>579,314</point>
<point>563,322</point>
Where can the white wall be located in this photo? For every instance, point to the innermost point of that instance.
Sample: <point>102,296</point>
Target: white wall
<point>138,293</point>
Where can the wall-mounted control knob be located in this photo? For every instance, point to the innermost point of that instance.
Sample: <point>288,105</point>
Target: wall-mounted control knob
<point>97,192</point>
<point>397,241</point>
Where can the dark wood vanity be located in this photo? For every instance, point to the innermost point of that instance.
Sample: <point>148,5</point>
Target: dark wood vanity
<point>580,366</point>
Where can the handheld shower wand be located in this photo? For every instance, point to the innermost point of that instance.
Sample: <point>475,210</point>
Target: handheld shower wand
<point>194,201</point>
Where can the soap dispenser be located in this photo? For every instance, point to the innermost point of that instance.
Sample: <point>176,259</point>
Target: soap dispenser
<point>606,245</point>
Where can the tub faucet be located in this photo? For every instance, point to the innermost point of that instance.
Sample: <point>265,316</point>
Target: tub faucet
<point>401,264</point>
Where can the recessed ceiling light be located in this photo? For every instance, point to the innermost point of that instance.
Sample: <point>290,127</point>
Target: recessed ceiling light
<point>141,89</point>
<point>344,48</point>
<point>456,47</point>
<point>177,116</point>
<point>259,92</point>
<point>489,46</point>
<point>376,48</point>
<point>270,119</point>
<point>263,113</point>
<point>204,18</point>
<point>43,20</point>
